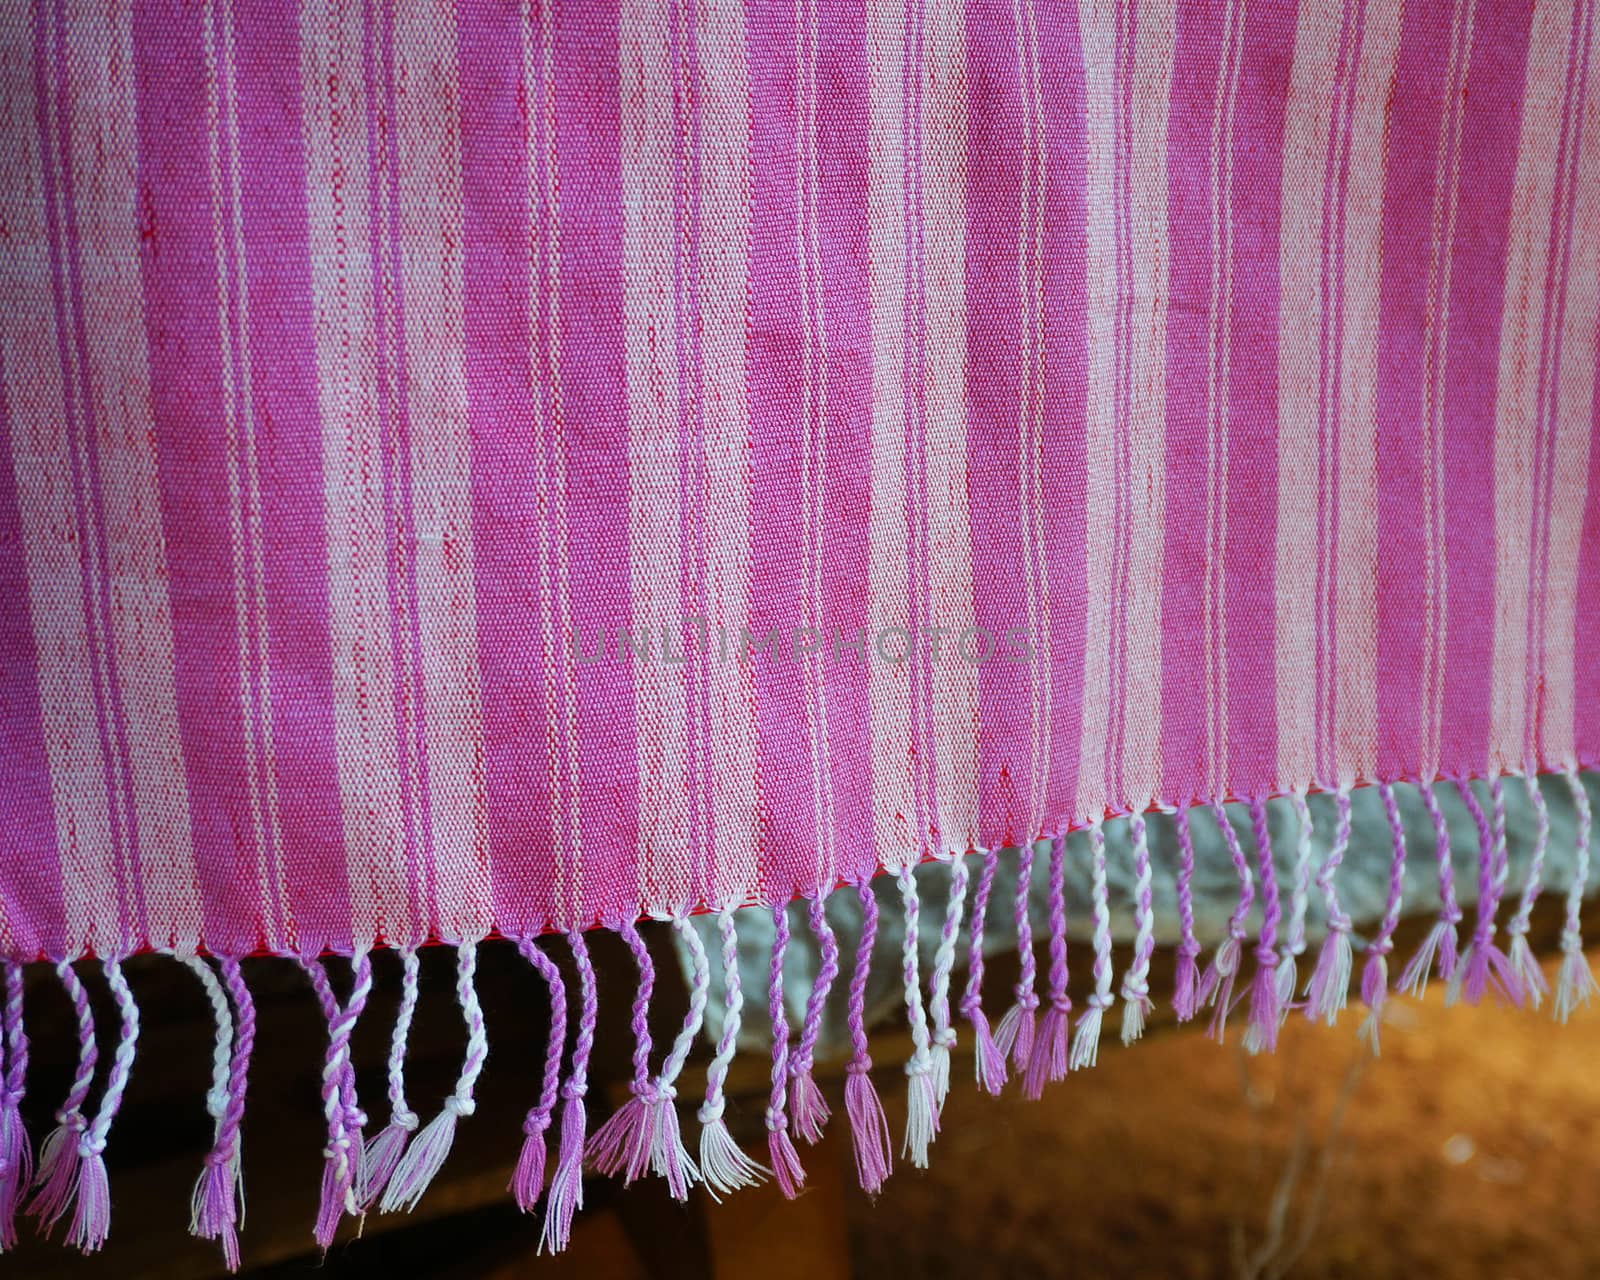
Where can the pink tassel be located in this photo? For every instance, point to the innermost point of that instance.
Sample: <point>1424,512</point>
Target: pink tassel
<point>808,1111</point>
<point>1086,1042</point>
<point>869,1127</point>
<point>1048,1061</point>
<point>91,1219</point>
<point>1330,980</point>
<point>426,1154</point>
<point>1441,941</point>
<point>342,1157</point>
<point>16,1155</point>
<point>1186,979</point>
<point>1529,976</point>
<point>723,1164</point>
<point>1266,1008</point>
<point>1483,963</point>
<point>1136,1004</point>
<point>56,1178</point>
<point>1375,974</point>
<point>622,1143</point>
<point>565,1195</point>
<point>1575,984</point>
<point>786,1170</point>
<point>1216,987</point>
<point>527,1180</point>
<point>989,1064</point>
<point>1048,1057</point>
<point>217,1207</point>
<point>1014,1036</point>
<point>669,1158</point>
<point>383,1154</point>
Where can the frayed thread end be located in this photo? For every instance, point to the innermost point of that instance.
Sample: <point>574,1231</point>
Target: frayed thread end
<point>527,1179</point>
<point>16,1168</point>
<point>869,1130</point>
<point>1216,987</point>
<point>1575,984</point>
<point>382,1157</point>
<point>56,1179</point>
<point>1049,1060</point>
<point>424,1157</point>
<point>1329,988</point>
<point>669,1158</point>
<point>214,1211</point>
<point>565,1195</point>
<point>989,1063</point>
<point>622,1143</point>
<point>786,1169</point>
<point>1525,970</point>
<point>1266,1010</point>
<point>1186,986</point>
<point>1374,989</point>
<point>91,1217</point>
<point>724,1166</point>
<point>922,1114</point>
<point>1086,1040</point>
<point>1136,1008</point>
<point>1482,966</point>
<point>1014,1036</point>
<point>1439,946</point>
<point>808,1110</point>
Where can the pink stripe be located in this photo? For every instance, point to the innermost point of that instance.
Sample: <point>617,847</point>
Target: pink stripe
<point>30,881</point>
<point>1586,644</point>
<point>179,252</point>
<point>299,660</point>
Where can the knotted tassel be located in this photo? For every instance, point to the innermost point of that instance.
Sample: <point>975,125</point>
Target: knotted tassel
<point>622,1143</point>
<point>1483,962</point>
<point>1299,903</point>
<point>1575,983</point>
<point>944,962</point>
<point>1329,987</point>
<point>869,1127</point>
<point>1086,1042</point>
<point>1375,976</point>
<point>1217,986</point>
<point>342,1157</point>
<point>1136,1004</point>
<point>16,1155</point>
<point>1441,939</point>
<point>1014,1035</point>
<point>922,1112</point>
<point>1047,1061</point>
<point>54,1182</point>
<point>723,1164</point>
<point>786,1169</point>
<point>1529,977</point>
<point>1266,1006</point>
<point>565,1196</point>
<point>808,1111</point>
<point>427,1152</point>
<point>989,1063</point>
<point>527,1180</point>
<point>91,1218</point>
<point>217,1207</point>
<point>382,1156</point>
<point>1186,976</point>
<point>669,1158</point>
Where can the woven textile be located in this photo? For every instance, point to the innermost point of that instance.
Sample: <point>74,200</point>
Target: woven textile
<point>497,468</point>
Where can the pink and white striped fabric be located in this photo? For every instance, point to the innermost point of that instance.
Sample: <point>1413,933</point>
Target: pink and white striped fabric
<point>415,419</point>
<point>508,466</point>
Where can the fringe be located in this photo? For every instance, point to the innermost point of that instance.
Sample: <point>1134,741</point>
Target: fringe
<point>1266,1000</point>
<point>383,1153</point>
<point>565,1195</point>
<point>808,1112</point>
<point>1048,1058</point>
<point>16,1155</point>
<point>1375,977</point>
<point>723,1165</point>
<point>1329,987</point>
<point>989,1063</point>
<point>527,1180</point>
<point>1483,964</point>
<point>786,1168</point>
<point>869,1127</point>
<point>70,1184</point>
